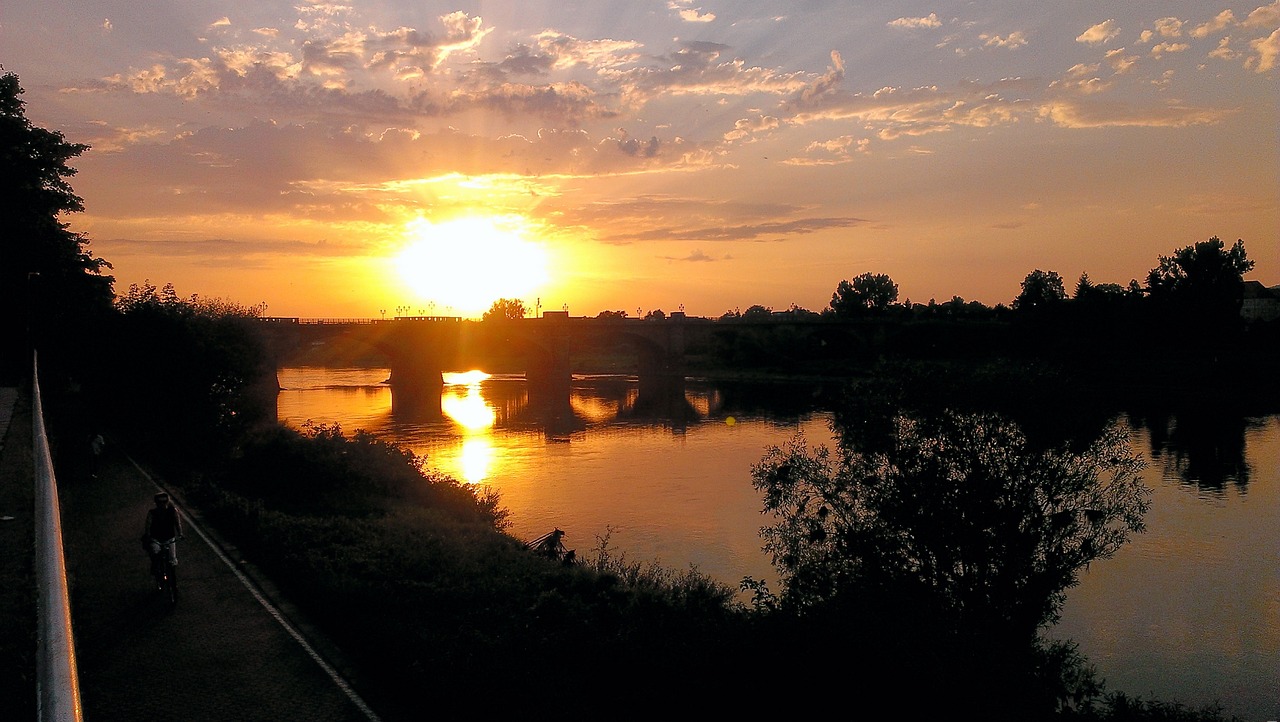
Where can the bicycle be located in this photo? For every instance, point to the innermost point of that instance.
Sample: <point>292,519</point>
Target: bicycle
<point>165,572</point>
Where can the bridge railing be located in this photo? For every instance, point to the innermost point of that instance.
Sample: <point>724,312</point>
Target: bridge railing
<point>57,680</point>
<point>293,320</point>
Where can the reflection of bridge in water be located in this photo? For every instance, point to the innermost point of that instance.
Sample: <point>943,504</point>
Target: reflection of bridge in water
<point>420,349</point>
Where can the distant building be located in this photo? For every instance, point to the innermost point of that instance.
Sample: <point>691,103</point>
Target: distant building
<point>1260,303</point>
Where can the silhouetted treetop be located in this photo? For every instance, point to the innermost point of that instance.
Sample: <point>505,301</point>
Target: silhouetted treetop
<point>1040,290</point>
<point>863,293</point>
<point>1204,278</point>
<point>48,278</point>
<point>505,309</point>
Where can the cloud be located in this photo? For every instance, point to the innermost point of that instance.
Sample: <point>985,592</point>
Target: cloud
<point>1267,51</point>
<point>824,86</point>
<point>656,217</point>
<point>1076,113</point>
<point>1162,49</point>
<point>1264,16</point>
<point>319,83</point>
<point>1224,19</point>
<point>1101,33</point>
<point>841,145</point>
<point>106,25</point>
<point>333,56</point>
<point>895,112</point>
<point>1169,27</point>
<point>1121,63</point>
<point>1012,41</point>
<point>697,68</point>
<point>221,22</point>
<point>747,128</point>
<point>320,174</point>
<point>221,251</point>
<point>637,148</point>
<point>690,14</point>
<point>697,256</point>
<point>567,103</point>
<point>769,230</point>
<point>1082,78</point>
<point>831,152</point>
<point>408,45</point>
<point>569,51</point>
<point>521,60</point>
<point>1224,51</point>
<point>931,21</point>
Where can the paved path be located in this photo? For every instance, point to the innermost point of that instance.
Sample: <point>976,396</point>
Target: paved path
<point>17,580</point>
<point>8,397</point>
<point>219,654</point>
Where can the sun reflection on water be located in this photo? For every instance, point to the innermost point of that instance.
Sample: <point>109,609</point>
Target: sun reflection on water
<point>475,458</point>
<point>464,378</point>
<point>464,404</point>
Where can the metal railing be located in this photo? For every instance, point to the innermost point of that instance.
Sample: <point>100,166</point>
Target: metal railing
<point>296,321</point>
<point>57,681</point>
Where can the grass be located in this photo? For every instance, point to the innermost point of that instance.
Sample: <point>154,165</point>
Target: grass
<point>412,575</point>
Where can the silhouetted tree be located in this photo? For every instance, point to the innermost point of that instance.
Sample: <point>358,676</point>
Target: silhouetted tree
<point>48,278</point>
<point>799,312</point>
<point>612,314</point>
<point>756,313</point>
<point>867,292</point>
<point>190,373</point>
<point>1083,286</point>
<point>1040,290</point>
<point>1205,279</point>
<point>958,517</point>
<point>656,315</point>
<point>505,309</point>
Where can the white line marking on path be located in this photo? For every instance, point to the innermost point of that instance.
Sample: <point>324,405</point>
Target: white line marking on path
<point>271,609</point>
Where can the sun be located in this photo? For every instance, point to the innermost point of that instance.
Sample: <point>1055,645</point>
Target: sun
<point>465,264</point>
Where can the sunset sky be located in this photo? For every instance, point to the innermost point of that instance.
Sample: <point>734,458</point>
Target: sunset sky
<point>345,160</point>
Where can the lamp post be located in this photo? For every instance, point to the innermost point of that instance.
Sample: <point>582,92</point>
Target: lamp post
<point>33,278</point>
<point>383,311</point>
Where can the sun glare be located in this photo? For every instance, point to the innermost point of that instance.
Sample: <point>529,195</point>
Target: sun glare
<point>469,410</point>
<point>463,378</point>
<point>464,265</point>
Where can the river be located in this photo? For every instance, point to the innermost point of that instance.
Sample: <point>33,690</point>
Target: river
<point>1188,611</point>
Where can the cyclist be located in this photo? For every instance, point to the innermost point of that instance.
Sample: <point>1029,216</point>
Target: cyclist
<point>163,525</point>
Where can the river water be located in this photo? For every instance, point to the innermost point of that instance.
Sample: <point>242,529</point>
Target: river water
<point>1188,611</point>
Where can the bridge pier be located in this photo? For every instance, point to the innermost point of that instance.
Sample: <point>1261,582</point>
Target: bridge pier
<point>416,404</point>
<point>419,351</point>
<point>547,369</point>
<point>416,376</point>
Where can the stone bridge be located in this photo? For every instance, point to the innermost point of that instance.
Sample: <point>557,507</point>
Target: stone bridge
<point>420,348</point>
